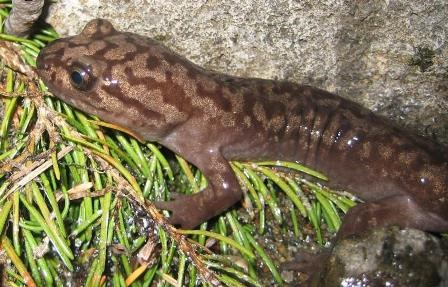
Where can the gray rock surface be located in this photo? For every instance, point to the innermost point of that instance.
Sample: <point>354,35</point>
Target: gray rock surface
<point>390,55</point>
<point>388,257</point>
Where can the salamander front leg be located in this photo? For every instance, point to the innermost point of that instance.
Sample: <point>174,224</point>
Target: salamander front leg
<point>223,191</point>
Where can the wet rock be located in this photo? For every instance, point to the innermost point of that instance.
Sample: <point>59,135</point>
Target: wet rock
<point>387,257</point>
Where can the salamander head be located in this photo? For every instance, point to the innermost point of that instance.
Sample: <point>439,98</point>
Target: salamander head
<point>120,77</point>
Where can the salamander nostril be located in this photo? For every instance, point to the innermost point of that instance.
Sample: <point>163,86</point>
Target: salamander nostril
<point>41,64</point>
<point>43,61</point>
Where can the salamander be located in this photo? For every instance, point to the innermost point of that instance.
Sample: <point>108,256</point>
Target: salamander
<point>210,118</point>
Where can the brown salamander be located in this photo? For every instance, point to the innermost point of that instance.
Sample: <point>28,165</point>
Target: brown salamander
<point>210,118</point>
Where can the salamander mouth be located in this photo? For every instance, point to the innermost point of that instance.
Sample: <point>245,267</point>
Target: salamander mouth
<point>39,62</point>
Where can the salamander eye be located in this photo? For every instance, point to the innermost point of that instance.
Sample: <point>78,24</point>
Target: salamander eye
<point>81,77</point>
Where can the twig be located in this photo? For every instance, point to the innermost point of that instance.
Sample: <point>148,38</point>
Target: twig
<point>41,125</point>
<point>30,176</point>
<point>187,247</point>
<point>10,55</point>
<point>23,15</point>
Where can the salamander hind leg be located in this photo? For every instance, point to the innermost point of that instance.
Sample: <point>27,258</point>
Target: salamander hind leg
<point>398,210</point>
<point>223,191</point>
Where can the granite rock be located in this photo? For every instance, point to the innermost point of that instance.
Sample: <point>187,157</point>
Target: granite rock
<point>387,257</point>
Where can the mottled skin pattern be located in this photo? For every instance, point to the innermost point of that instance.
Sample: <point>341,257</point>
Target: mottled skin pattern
<point>210,118</point>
